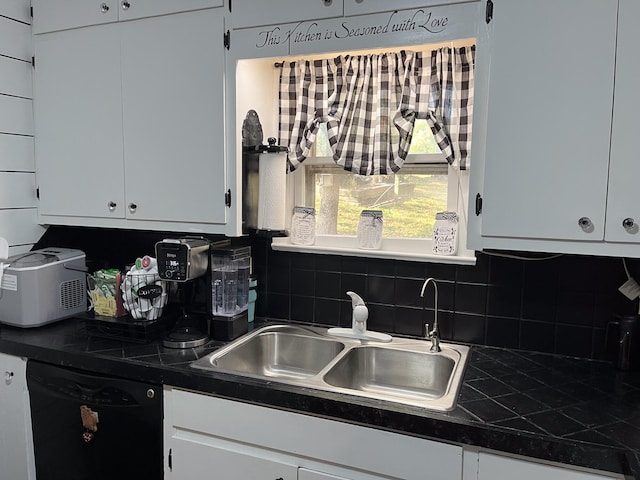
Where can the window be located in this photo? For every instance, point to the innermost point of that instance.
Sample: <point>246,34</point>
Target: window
<point>409,200</point>
<point>425,185</point>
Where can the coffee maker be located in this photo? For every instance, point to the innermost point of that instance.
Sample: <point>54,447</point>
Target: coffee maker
<point>185,261</point>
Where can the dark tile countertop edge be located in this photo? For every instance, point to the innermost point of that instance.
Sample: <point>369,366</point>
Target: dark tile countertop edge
<point>559,409</point>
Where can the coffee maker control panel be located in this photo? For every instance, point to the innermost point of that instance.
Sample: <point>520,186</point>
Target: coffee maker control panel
<point>174,267</point>
<point>181,260</point>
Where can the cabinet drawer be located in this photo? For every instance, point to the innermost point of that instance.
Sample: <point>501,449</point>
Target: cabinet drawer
<point>50,16</point>
<point>151,8</point>
<point>249,13</point>
<point>367,450</point>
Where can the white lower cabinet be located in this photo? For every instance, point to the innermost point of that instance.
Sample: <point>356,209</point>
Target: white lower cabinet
<point>210,437</point>
<point>16,443</point>
<point>500,467</point>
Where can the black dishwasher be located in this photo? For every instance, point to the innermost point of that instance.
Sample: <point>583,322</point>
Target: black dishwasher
<point>87,426</point>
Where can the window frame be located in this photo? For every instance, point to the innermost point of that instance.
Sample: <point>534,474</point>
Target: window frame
<point>412,249</point>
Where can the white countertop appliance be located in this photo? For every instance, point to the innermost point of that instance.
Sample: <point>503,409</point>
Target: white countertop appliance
<point>43,286</point>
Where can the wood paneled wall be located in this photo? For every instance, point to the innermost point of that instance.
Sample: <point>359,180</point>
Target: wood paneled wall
<point>18,220</point>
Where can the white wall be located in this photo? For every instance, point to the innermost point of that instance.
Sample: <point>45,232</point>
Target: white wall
<point>17,167</point>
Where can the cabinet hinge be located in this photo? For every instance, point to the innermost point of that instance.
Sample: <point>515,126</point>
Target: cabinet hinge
<point>31,11</point>
<point>227,40</point>
<point>170,460</point>
<point>33,62</point>
<point>230,9</point>
<point>38,193</point>
<point>478,204</point>
<point>227,198</point>
<point>488,14</point>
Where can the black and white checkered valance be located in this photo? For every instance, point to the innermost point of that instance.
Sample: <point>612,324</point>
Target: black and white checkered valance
<point>370,104</point>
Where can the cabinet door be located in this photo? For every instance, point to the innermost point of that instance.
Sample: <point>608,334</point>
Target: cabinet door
<point>496,467</point>
<point>624,172</point>
<point>196,459</point>
<point>49,16</point>
<point>78,122</point>
<point>549,118</point>
<point>249,13</point>
<point>16,454</point>
<point>173,110</point>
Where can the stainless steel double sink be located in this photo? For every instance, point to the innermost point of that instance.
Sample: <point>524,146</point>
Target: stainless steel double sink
<point>402,371</point>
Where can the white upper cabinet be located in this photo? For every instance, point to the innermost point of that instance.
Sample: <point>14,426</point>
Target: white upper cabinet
<point>360,7</point>
<point>623,202</point>
<point>545,75</point>
<point>130,123</point>
<point>249,13</point>
<point>173,118</point>
<point>549,118</point>
<point>78,122</point>
<point>50,16</point>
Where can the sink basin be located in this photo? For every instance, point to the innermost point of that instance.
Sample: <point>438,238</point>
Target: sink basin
<point>277,353</point>
<point>402,371</point>
<point>390,372</point>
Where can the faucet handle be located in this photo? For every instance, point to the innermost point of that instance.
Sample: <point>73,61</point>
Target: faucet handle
<point>355,299</point>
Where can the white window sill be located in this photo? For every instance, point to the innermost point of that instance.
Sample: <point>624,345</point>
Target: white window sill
<point>416,250</point>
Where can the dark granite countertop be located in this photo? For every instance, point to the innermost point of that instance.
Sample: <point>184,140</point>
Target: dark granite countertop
<point>573,411</point>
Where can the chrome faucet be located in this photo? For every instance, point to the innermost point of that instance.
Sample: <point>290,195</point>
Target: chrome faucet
<point>432,335</point>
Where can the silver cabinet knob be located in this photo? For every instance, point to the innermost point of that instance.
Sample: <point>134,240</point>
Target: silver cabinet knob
<point>133,207</point>
<point>8,377</point>
<point>104,8</point>
<point>125,5</point>
<point>585,224</point>
<point>112,206</point>
<point>630,225</point>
